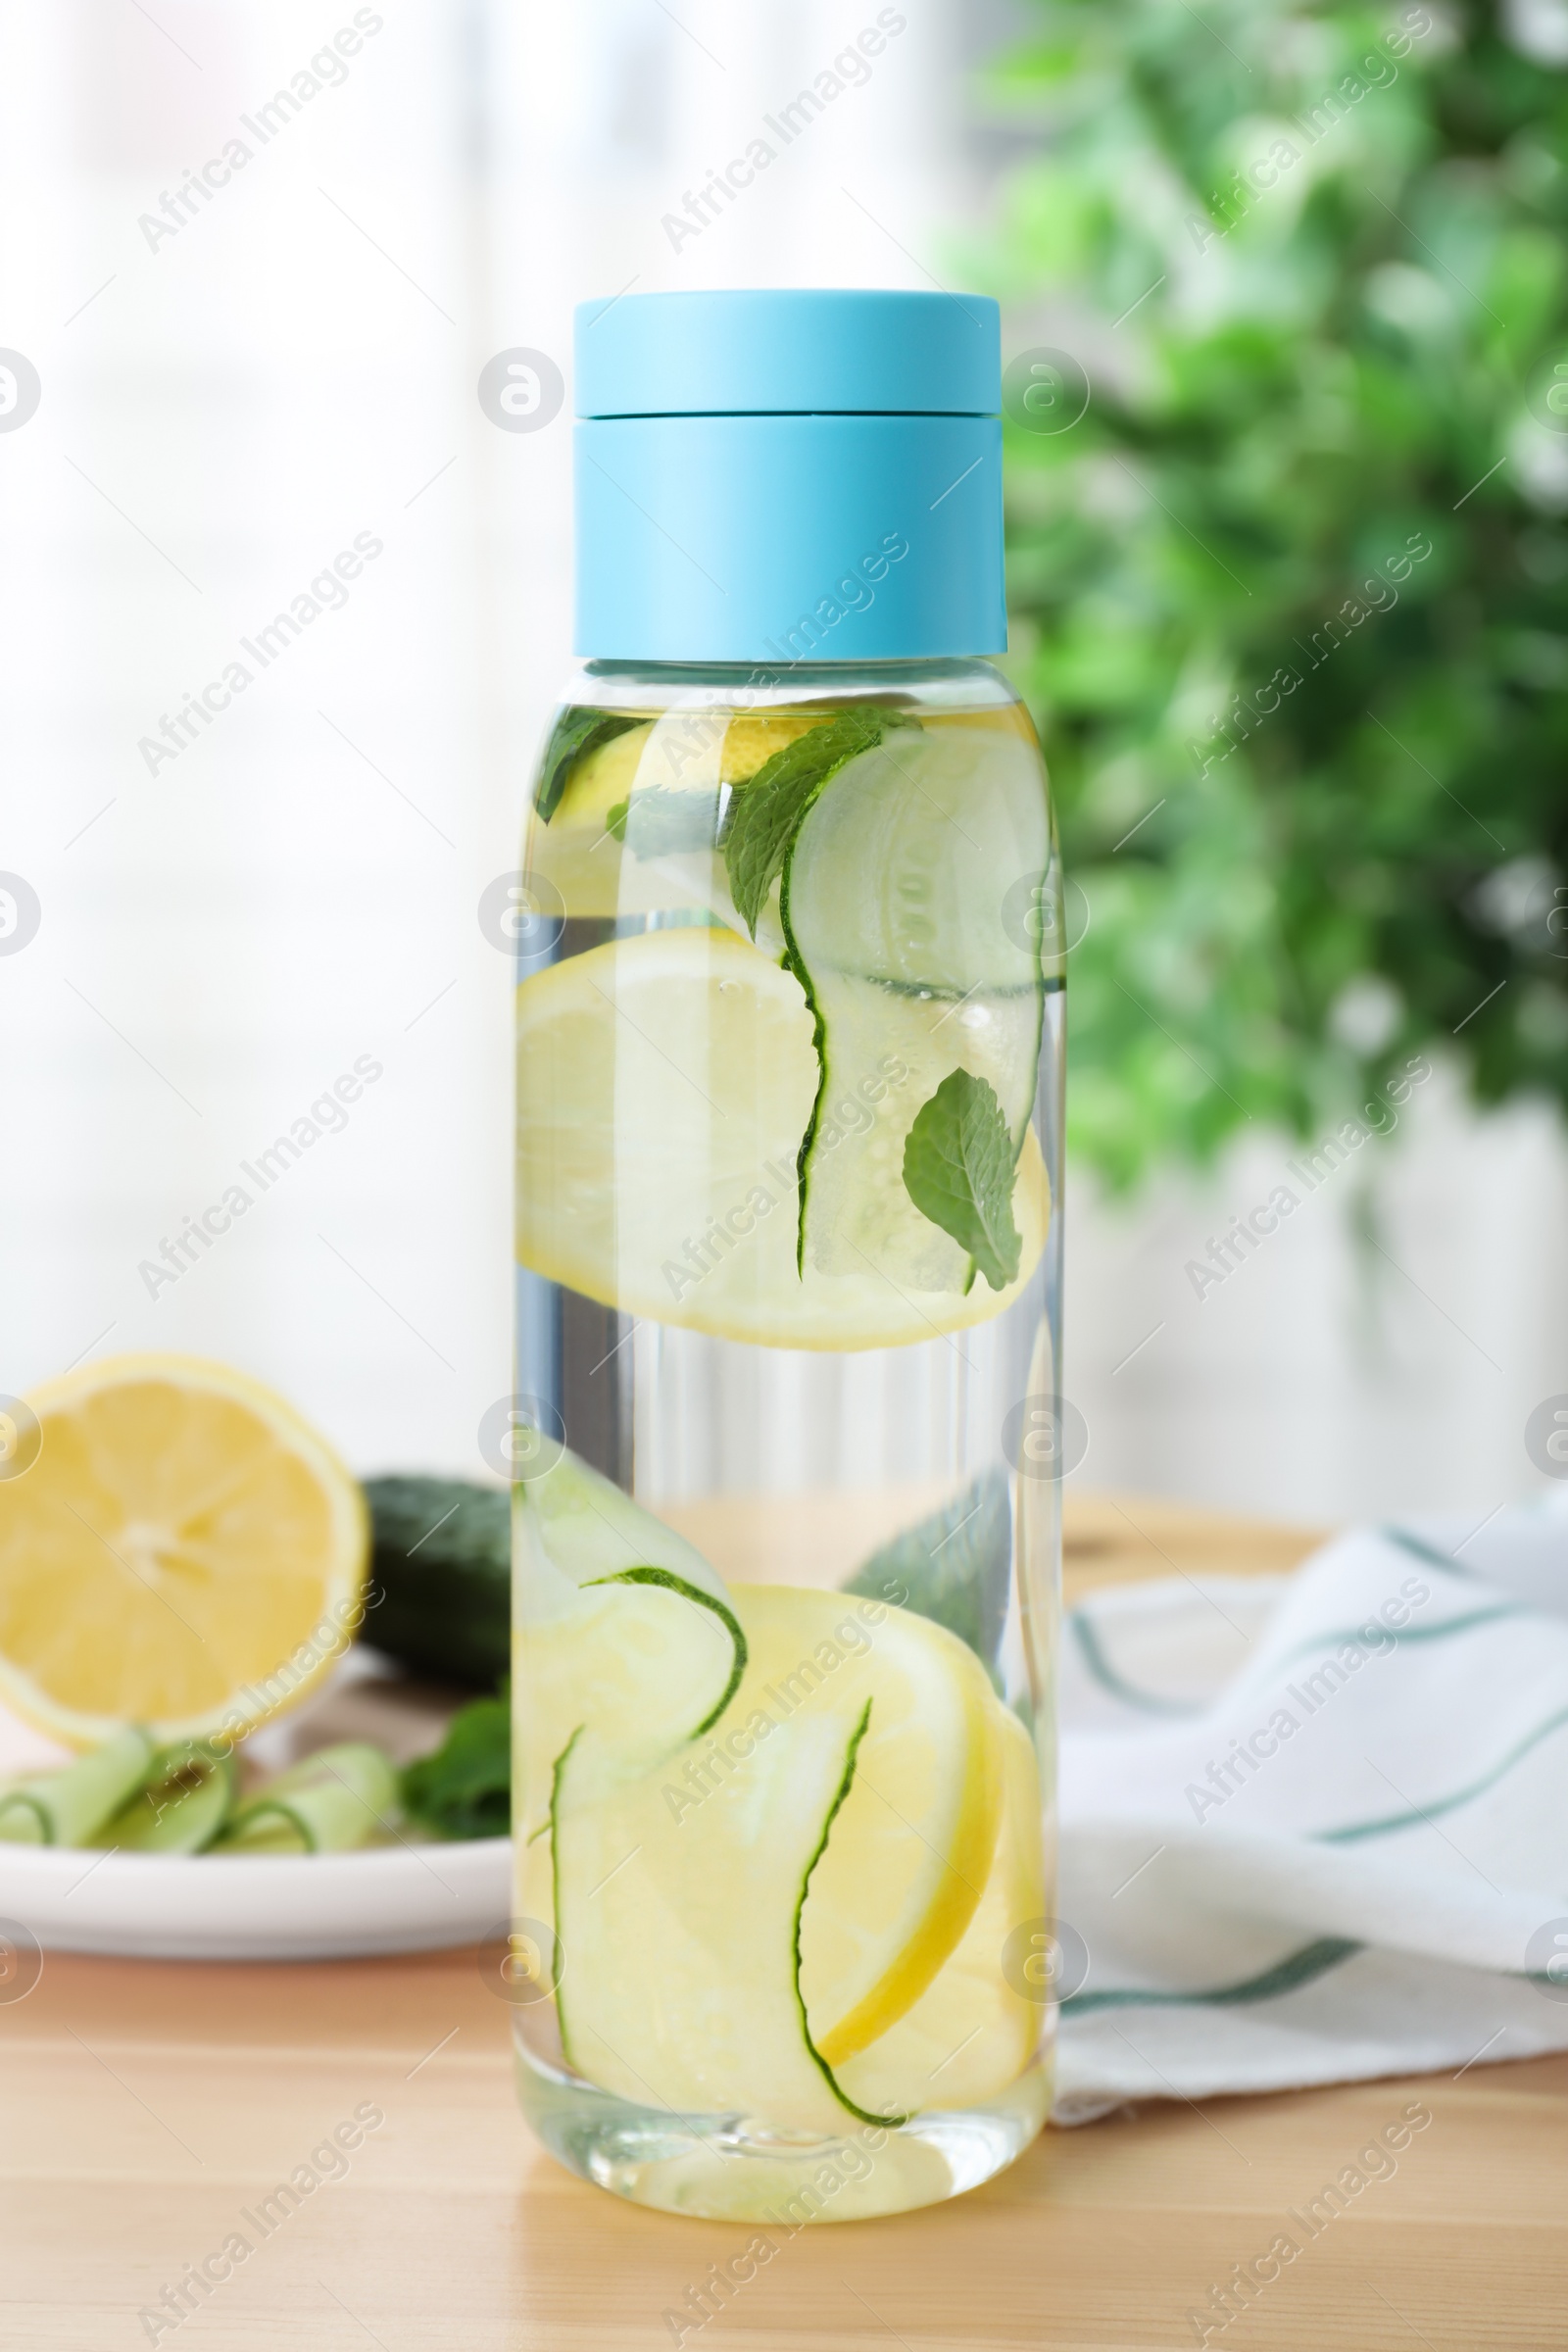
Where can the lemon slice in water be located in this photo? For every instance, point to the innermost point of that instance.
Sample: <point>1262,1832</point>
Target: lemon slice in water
<point>684,752</point>
<point>974,2030</point>
<point>743,1920</point>
<point>664,1083</point>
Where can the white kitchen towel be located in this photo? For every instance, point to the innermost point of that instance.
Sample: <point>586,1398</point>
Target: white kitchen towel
<point>1314,1828</point>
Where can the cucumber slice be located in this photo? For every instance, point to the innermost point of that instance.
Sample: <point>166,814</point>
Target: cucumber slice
<point>572,1528</point>
<point>892,909</point>
<point>678,1936</point>
<point>624,1633</point>
<point>181,1811</point>
<point>883,1053</point>
<point>738,1925</point>
<point>329,1803</point>
<point>65,1807</point>
<point>632,1191</point>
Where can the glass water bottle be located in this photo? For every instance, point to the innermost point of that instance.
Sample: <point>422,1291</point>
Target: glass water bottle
<point>788,1241</point>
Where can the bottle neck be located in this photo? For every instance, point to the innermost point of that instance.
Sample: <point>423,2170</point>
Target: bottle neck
<point>957,683</point>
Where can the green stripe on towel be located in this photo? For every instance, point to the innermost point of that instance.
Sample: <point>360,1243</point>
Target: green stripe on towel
<point>1286,1975</point>
<point>1421,1551</point>
<point>1444,1804</point>
<point>1400,1636</point>
<point>1091,1646</point>
<point>1086,1634</point>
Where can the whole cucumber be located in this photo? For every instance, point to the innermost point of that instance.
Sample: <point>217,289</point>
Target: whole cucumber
<point>440,1599</point>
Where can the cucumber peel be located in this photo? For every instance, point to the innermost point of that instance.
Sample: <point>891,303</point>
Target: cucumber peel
<point>782,1917</point>
<point>702,1601</point>
<point>441,1577</point>
<point>66,1807</point>
<point>624,1631</point>
<point>183,1807</point>
<point>892,907</point>
<point>556,1770</point>
<point>764,820</point>
<point>332,1802</point>
<point>835,1808</point>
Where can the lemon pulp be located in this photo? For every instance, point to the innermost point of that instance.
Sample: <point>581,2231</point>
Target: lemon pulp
<point>185,1553</point>
<point>744,1924</point>
<point>664,1083</point>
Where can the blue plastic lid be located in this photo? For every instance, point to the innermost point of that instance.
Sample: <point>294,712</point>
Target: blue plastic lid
<point>783,477</point>
<point>792,354</point>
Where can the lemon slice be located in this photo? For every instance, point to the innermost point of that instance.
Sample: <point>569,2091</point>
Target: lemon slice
<point>184,1553</point>
<point>788,1888</point>
<point>972,2032</point>
<point>681,751</point>
<point>859,1214</point>
<point>684,751</point>
<point>663,1085</point>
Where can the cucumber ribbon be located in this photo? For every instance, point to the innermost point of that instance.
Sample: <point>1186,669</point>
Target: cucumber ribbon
<point>65,1807</point>
<point>337,1799</point>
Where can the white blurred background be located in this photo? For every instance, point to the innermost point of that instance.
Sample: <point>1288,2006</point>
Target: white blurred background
<point>223,410</point>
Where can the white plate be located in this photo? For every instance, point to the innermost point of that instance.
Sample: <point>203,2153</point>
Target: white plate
<point>412,1898</point>
<point>406,1898</point>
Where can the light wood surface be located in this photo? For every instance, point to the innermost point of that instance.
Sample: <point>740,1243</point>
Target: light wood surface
<point>149,2107</point>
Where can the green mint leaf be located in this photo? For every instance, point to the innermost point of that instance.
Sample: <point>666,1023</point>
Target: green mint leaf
<point>958,1170</point>
<point>766,817</point>
<point>465,1789</point>
<point>574,736</point>
<point>655,823</point>
<point>952,1567</point>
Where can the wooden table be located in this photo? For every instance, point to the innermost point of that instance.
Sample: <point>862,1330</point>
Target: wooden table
<point>148,2107</point>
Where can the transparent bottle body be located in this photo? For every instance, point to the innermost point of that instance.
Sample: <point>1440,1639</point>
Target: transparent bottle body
<point>788,1283</point>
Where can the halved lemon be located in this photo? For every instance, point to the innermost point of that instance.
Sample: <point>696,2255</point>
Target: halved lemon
<point>742,1919</point>
<point>185,1553</point>
<point>664,1083</point>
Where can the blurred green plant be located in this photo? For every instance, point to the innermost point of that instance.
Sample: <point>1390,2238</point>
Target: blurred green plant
<point>1290,598</point>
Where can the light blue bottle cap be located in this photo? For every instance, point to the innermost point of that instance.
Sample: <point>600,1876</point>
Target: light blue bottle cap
<point>774,478</point>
